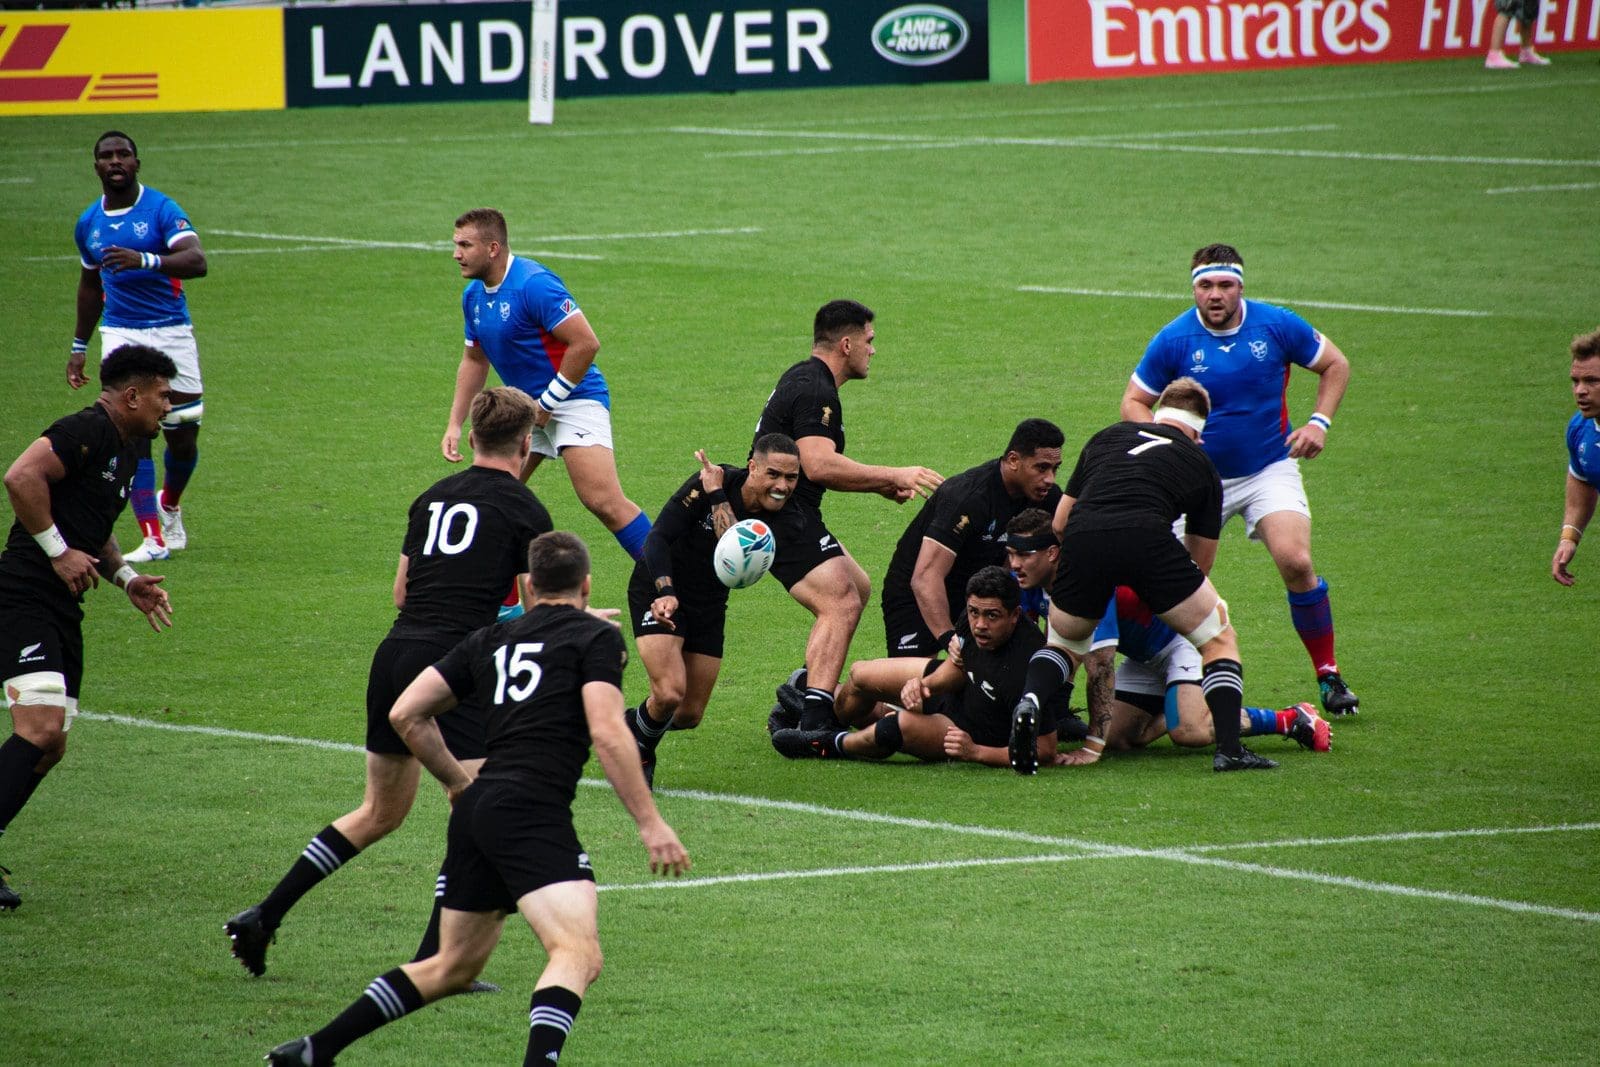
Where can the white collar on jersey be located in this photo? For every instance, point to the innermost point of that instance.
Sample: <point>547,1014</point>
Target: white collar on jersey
<point>1244,310</point>
<point>113,212</point>
<point>491,290</point>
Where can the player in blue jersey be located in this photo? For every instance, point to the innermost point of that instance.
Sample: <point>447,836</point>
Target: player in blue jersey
<point>1242,351</point>
<point>521,321</point>
<point>137,246</point>
<point>1583,453</point>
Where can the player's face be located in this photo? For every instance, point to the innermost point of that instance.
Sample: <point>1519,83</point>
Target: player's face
<point>990,621</point>
<point>1033,475</point>
<point>772,479</point>
<point>115,164</point>
<point>151,401</point>
<point>1586,386</point>
<point>473,253</point>
<point>1033,569</point>
<point>859,351</point>
<point>1218,301</point>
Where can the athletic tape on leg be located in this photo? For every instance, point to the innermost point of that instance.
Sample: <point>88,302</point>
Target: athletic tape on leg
<point>1214,624</point>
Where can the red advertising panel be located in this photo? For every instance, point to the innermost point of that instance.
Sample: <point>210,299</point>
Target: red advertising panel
<point>1122,38</point>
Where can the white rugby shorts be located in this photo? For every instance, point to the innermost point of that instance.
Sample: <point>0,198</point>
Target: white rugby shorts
<point>576,424</point>
<point>1178,662</point>
<point>176,341</point>
<point>1275,487</point>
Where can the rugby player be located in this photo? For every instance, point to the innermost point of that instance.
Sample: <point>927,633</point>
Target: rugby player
<point>1583,454</point>
<point>67,489</point>
<point>551,682</point>
<point>1243,350</point>
<point>466,541</point>
<point>805,406</point>
<point>137,247</point>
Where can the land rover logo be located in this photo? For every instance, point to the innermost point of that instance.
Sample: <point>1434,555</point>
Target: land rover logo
<point>920,35</point>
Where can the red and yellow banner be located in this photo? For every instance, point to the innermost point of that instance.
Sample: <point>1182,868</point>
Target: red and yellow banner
<point>1124,38</point>
<point>81,62</point>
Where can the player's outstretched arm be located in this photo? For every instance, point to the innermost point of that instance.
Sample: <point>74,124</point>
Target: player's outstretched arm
<point>28,485</point>
<point>144,590</point>
<point>90,300</point>
<point>412,717</point>
<point>471,375</point>
<point>1580,505</point>
<point>823,464</point>
<point>619,758</point>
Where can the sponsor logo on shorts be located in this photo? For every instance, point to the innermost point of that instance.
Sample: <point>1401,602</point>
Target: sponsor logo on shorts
<point>908,640</point>
<point>23,656</point>
<point>826,542</point>
<point>583,862</point>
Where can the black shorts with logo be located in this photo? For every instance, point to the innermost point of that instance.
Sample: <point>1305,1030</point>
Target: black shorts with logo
<point>904,632</point>
<point>700,619</point>
<point>811,548</point>
<point>32,641</point>
<point>1153,563</point>
<point>395,665</point>
<point>503,844</point>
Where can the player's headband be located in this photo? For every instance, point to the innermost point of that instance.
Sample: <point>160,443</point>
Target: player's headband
<point>1187,418</point>
<point>1217,270</point>
<point>1034,542</point>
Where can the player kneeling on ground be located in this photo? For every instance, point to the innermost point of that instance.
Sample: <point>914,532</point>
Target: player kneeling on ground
<point>678,605</point>
<point>958,709</point>
<point>552,681</point>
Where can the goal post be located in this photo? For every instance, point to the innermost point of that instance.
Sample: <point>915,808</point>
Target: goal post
<point>542,64</point>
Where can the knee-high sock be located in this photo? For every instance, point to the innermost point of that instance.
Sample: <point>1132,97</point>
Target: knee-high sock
<point>430,936</point>
<point>389,997</point>
<point>143,499</point>
<point>550,1015</point>
<point>1049,672</point>
<point>631,537</point>
<point>1313,621</point>
<point>1223,683</point>
<point>18,779</point>
<point>178,473</point>
<point>325,853</point>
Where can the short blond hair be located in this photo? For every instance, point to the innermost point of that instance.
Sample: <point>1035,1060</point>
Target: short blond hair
<point>1186,394</point>
<point>1586,345</point>
<point>501,418</point>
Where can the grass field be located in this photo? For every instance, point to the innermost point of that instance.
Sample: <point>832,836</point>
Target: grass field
<point>1428,892</point>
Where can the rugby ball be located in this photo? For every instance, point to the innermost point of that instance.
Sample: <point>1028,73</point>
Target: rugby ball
<point>744,553</point>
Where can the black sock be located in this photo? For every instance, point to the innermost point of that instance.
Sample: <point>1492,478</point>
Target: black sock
<point>430,936</point>
<point>818,713</point>
<point>1049,672</point>
<point>389,997</point>
<point>1223,682</point>
<point>325,853</point>
<point>550,1015</point>
<point>18,779</point>
<point>651,727</point>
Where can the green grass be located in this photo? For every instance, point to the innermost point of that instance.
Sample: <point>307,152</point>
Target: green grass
<point>328,375</point>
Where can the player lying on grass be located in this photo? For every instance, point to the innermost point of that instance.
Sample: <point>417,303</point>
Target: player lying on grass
<point>957,709</point>
<point>1156,689</point>
<point>678,606</point>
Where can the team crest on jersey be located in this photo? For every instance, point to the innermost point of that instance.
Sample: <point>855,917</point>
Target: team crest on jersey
<point>505,310</point>
<point>690,499</point>
<point>140,229</point>
<point>988,535</point>
<point>1258,349</point>
<point>962,523</point>
<point>568,307</point>
<point>94,236</point>
<point>827,415</point>
<point>183,224</point>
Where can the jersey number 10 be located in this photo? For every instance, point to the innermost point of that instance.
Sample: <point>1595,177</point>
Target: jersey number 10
<point>442,528</point>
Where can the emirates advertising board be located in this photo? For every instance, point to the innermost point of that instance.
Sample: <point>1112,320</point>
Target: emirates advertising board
<point>417,52</point>
<point>1123,38</point>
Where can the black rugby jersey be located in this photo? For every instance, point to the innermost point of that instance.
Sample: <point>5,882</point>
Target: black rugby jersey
<point>995,680</point>
<point>684,538</point>
<point>84,504</point>
<point>1135,475</point>
<point>466,541</point>
<point>528,675</point>
<point>805,403</point>
<point>967,514</point>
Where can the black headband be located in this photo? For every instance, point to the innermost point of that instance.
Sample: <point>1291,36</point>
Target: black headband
<point>1033,542</point>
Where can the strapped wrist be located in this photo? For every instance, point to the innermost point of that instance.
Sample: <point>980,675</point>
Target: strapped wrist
<point>1321,421</point>
<point>80,346</point>
<point>1571,533</point>
<point>719,495</point>
<point>124,575</point>
<point>54,545</point>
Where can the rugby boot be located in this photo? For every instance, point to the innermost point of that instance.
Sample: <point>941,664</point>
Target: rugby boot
<point>1310,729</point>
<point>1024,747</point>
<point>1337,699</point>
<point>1244,761</point>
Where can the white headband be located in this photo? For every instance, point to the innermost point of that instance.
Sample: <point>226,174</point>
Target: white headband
<point>1187,418</point>
<point>1218,270</point>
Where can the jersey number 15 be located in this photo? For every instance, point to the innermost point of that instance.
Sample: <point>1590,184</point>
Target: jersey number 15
<point>514,662</point>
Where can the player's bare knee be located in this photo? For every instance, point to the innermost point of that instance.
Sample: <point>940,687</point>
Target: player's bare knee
<point>688,715</point>
<point>1190,735</point>
<point>666,696</point>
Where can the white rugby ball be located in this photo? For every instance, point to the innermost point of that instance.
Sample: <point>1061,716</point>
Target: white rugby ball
<point>744,553</point>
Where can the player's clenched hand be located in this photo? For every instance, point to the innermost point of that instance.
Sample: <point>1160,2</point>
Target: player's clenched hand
<point>958,744</point>
<point>76,568</point>
<point>667,855</point>
<point>451,444</point>
<point>1558,565</point>
<point>75,376</point>
<point>152,601</point>
<point>541,415</point>
<point>117,258</point>
<point>662,609</point>
<point>711,474</point>
<point>912,694</point>
<point>1307,442</point>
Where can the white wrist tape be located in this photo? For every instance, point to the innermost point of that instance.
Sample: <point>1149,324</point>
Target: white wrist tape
<point>1319,419</point>
<point>557,391</point>
<point>52,542</point>
<point>124,575</point>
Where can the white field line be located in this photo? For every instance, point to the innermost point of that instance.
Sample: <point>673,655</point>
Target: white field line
<point>1571,187</point>
<point>1140,294</point>
<point>356,246</point>
<point>898,142</point>
<point>1122,143</point>
<point>1087,849</point>
<point>444,246</point>
<point>16,181</point>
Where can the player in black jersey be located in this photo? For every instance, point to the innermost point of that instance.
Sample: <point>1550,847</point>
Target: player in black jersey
<point>805,406</point>
<point>961,530</point>
<point>1132,481</point>
<point>957,709</point>
<point>551,681</point>
<point>678,604</point>
<point>466,542</point>
<point>67,489</point>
